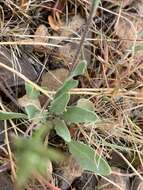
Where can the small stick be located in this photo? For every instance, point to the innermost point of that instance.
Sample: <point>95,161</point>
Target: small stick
<point>94,6</point>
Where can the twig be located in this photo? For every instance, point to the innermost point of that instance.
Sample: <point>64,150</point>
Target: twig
<point>94,6</point>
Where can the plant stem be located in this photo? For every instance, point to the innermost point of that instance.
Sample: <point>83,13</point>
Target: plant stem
<point>94,6</point>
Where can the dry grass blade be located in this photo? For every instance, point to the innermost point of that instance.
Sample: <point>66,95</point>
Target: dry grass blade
<point>56,33</point>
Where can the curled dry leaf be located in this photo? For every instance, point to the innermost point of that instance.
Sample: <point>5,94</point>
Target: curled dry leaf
<point>55,25</point>
<point>59,6</point>
<point>23,4</point>
<point>40,37</point>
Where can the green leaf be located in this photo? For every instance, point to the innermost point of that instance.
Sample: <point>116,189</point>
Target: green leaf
<point>36,146</point>
<point>55,155</point>
<point>85,104</point>
<point>62,130</point>
<point>31,91</point>
<point>28,163</point>
<point>31,156</point>
<point>11,115</point>
<point>59,104</point>
<point>40,117</point>
<point>66,87</point>
<point>79,115</point>
<point>79,69</point>
<point>43,130</point>
<point>43,167</point>
<point>25,167</point>
<point>96,4</point>
<point>88,158</point>
<point>31,111</point>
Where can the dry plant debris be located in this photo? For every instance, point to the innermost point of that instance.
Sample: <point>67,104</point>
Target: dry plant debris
<point>114,181</point>
<point>39,39</point>
<point>52,80</point>
<point>40,36</point>
<point>67,172</point>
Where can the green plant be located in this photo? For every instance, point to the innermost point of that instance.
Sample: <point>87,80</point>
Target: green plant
<point>32,155</point>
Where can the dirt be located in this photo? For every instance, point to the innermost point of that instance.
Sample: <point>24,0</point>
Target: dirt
<point>40,39</point>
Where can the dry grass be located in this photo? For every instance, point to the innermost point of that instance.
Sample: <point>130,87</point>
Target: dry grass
<point>113,82</point>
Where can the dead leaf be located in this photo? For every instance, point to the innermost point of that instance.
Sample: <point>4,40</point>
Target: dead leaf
<point>53,23</point>
<point>67,52</point>
<point>138,6</point>
<point>128,28</point>
<point>71,29</point>
<point>124,3</point>
<point>73,26</point>
<point>122,182</point>
<point>54,79</point>
<point>69,170</point>
<point>23,3</point>
<point>59,6</point>
<point>24,101</point>
<point>139,96</point>
<point>39,37</point>
<point>137,184</point>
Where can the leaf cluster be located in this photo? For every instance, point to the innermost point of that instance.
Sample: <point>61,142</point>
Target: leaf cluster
<point>32,155</point>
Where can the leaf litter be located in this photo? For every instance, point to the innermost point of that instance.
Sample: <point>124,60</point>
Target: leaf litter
<point>113,50</point>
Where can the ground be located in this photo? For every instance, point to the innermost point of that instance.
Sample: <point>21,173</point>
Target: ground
<point>41,43</point>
